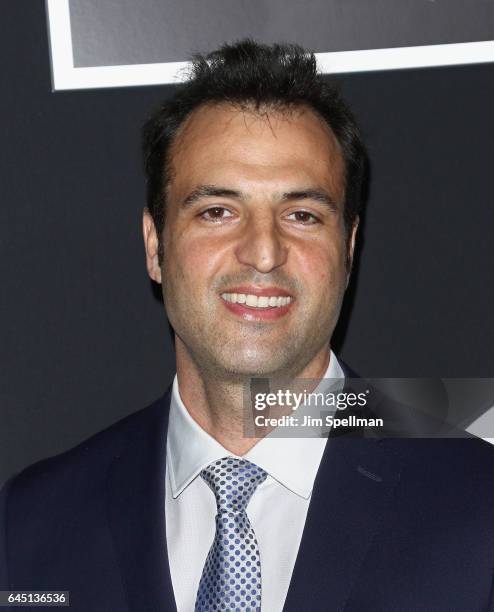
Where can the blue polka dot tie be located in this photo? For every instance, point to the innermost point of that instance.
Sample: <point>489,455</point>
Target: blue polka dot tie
<point>231,578</point>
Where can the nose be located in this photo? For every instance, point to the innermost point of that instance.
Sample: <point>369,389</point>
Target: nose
<point>261,245</point>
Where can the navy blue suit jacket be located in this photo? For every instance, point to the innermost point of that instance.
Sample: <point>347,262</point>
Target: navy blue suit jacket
<point>394,525</point>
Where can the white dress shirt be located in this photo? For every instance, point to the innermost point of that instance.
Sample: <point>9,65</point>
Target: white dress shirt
<point>277,509</point>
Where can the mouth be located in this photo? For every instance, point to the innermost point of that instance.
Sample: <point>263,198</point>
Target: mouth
<point>258,304</point>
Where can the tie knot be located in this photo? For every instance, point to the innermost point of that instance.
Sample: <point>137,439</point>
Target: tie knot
<point>233,482</point>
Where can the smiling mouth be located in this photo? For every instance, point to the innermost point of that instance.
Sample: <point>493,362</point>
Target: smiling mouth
<point>257,301</point>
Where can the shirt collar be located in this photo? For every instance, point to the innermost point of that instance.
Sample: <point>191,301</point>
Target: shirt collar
<point>291,461</point>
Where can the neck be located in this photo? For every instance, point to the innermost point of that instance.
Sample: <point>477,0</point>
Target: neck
<point>216,402</point>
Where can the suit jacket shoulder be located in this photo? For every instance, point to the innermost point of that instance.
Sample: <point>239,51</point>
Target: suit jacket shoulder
<point>69,473</point>
<point>59,509</point>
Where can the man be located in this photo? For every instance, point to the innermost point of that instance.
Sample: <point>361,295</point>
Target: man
<point>255,170</point>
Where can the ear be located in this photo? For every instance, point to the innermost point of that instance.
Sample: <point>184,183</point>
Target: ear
<point>151,246</point>
<point>351,248</point>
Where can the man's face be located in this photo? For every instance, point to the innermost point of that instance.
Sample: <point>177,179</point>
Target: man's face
<point>255,255</point>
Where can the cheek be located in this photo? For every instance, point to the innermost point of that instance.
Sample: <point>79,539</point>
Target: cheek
<point>198,259</point>
<point>321,265</point>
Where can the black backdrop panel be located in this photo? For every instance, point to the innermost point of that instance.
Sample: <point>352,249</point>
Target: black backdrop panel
<point>84,340</point>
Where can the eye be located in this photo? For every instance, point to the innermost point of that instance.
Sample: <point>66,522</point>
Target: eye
<point>215,214</point>
<point>303,216</point>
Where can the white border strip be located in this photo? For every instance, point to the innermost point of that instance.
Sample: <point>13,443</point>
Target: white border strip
<point>65,76</point>
<point>424,56</point>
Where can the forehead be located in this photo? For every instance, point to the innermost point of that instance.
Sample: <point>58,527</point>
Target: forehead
<point>222,142</point>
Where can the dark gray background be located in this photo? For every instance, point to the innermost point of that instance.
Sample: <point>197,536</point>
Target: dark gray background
<point>84,341</point>
<point>117,32</point>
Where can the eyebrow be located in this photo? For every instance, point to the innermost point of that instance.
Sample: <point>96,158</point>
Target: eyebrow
<point>317,195</point>
<point>210,191</point>
<point>213,191</point>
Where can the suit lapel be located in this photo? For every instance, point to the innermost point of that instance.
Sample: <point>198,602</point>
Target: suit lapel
<point>352,490</point>
<point>136,511</point>
<point>351,493</point>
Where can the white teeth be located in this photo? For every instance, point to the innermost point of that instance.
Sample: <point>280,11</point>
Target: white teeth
<point>254,301</point>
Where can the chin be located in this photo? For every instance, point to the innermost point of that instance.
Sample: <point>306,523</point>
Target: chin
<point>255,365</point>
